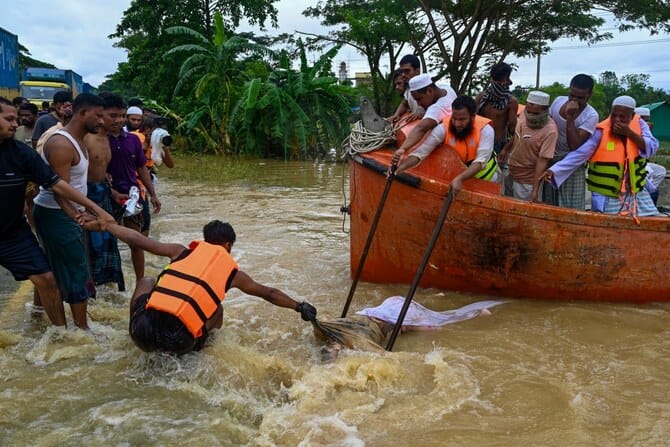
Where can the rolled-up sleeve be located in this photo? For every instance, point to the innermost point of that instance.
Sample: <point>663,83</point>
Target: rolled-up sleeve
<point>434,139</point>
<point>651,144</point>
<point>564,168</point>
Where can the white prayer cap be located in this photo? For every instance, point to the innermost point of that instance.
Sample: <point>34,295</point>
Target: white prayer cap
<point>134,110</point>
<point>420,81</point>
<point>539,98</point>
<point>624,101</point>
<point>643,111</point>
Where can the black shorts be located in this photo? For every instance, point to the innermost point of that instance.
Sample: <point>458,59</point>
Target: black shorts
<point>139,306</point>
<point>22,255</point>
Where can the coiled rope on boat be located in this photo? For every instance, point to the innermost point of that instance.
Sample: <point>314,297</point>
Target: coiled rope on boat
<point>362,140</point>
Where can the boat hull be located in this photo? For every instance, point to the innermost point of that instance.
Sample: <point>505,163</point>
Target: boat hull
<point>500,246</point>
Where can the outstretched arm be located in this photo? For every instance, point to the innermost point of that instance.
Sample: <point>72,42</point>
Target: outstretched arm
<point>136,239</point>
<point>247,285</point>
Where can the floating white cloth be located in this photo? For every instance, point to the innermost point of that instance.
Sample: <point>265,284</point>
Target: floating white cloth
<point>418,315</point>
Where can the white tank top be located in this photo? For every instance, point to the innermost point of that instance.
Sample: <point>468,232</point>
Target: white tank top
<point>78,176</point>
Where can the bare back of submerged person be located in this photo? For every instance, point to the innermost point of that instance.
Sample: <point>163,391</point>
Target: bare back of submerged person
<point>176,312</point>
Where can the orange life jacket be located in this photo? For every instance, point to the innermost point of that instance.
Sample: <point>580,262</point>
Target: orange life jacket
<point>612,160</point>
<point>466,148</point>
<point>193,287</point>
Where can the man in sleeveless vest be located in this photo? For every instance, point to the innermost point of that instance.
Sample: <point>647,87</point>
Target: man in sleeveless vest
<point>176,312</point>
<point>470,135</point>
<point>617,153</point>
<point>61,237</point>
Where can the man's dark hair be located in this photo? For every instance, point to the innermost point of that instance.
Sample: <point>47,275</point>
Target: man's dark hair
<point>29,106</point>
<point>465,102</point>
<point>5,101</point>
<point>62,97</point>
<point>396,74</point>
<point>582,81</point>
<point>136,102</point>
<point>86,101</point>
<point>217,232</point>
<point>112,101</point>
<point>501,71</point>
<point>18,101</point>
<point>410,59</point>
<point>150,122</point>
<point>45,105</point>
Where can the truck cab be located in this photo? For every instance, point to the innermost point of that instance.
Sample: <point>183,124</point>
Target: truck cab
<point>39,91</point>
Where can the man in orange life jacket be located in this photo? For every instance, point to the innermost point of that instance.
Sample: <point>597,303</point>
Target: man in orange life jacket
<point>470,135</point>
<point>617,153</point>
<point>175,313</point>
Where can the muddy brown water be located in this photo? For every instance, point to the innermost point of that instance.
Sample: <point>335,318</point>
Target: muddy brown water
<point>532,373</point>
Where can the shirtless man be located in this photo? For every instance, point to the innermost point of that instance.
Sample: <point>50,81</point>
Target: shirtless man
<point>497,104</point>
<point>104,257</point>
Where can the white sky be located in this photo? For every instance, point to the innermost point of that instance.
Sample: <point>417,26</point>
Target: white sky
<point>73,34</point>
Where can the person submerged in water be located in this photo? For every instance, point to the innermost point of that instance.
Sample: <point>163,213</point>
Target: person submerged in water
<point>370,329</point>
<point>175,313</point>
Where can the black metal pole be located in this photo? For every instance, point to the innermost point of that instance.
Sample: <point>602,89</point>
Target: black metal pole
<point>373,228</point>
<point>422,267</point>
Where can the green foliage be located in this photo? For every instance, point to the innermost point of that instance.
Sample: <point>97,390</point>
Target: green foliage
<point>292,113</point>
<point>142,32</point>
<point>453,37</point>
<point>379,29</point>
<point>209,73</point>
<point>26,61</point>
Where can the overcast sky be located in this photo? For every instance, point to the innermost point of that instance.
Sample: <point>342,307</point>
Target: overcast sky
<point>73,34</point>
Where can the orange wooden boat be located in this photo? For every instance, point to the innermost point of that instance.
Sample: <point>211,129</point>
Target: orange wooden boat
<point>496,245</point>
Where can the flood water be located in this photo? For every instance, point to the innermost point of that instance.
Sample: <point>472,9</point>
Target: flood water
<point>531,373</point>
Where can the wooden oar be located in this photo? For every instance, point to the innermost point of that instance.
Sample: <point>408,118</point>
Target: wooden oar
<point>373,228</point>
<point>419,273</point>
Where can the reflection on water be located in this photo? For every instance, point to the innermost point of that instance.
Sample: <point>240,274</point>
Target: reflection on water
<point>533,373</point>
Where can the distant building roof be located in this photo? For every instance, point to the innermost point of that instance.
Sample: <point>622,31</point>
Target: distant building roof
<point>655,105</point>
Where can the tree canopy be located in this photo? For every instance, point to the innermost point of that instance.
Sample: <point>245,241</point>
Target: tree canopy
<point>458,38</point>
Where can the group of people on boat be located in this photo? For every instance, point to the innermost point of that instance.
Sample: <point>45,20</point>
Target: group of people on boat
<point>538,151</point>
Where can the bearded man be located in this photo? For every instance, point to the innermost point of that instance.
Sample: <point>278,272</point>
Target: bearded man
<point>470,135</point>
<point>531,149</point>
<point>617,153</point>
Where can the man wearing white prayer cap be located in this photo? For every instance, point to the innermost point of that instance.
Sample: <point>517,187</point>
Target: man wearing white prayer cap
<point>134,118</point>
<point>617,154</point>
<point>437,102</point>
<point>531,149</point>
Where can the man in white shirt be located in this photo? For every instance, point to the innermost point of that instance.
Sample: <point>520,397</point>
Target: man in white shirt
<point>576,121</point>
<point>437,102</point>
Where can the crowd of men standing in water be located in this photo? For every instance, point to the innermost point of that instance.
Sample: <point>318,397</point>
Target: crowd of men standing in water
<point>96,150</point>
<point>92,160</point>
<point>539,151</point>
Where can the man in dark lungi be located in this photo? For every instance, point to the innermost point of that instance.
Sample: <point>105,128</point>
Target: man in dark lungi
<point>61,237</point>
<point>103,249</point>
